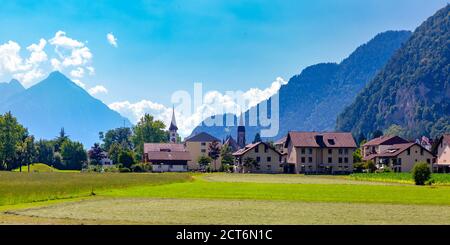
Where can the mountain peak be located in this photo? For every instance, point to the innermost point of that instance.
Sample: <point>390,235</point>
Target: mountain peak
<point>15,83</point>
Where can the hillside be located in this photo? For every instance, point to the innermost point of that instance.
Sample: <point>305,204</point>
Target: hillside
<point>57,102</point>
<point>412,91</point>
<point>313,99</point>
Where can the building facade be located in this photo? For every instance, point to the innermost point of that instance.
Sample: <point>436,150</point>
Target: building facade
<point>167,157</point>
<point>320,153</point>
<point>259,157</point>
<point>198,146</point>
<point>442,151</point>
<point>396,153</point>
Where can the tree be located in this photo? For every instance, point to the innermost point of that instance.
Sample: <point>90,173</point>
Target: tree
<point>26,152</point>
<point>257,138</point>
<point>204,161</point>
<point>148,130</point>
<point>395,130</point>
<point>45,152</point>
<point>11,136</point>
<point>226,153</point>
<point>60,139</point>
<point>73,155</point>
<point>120,136</point>
<point>214,152</point>
<point>126,158</point>
<point>250,163</point>
<point>421,173</point>
<point>376,134</point>
<point>357,157</point>
<point>370,166</point>
<point>114,152</point>
<point>95,154</point>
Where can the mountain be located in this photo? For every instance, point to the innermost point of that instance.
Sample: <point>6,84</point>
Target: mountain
<point>9,89</point>
<point>313,99</point>
<point>413,90</point>
<point>57,102</point>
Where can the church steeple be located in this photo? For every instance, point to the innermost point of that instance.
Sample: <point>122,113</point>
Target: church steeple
<point>173,128</point>
<point>241,132</point>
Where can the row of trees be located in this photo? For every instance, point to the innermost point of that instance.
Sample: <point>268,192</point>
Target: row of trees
<point>18,148</point>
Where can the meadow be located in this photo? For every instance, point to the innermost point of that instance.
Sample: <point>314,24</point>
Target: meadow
<point>407,178</point>
<point>221,199</point>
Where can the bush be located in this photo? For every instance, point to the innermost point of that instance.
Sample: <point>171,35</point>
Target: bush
<point>124,170</point>
<point>421,173</point>
<point>358,167</point>
<point>141,167</point>
<point>370,166</point>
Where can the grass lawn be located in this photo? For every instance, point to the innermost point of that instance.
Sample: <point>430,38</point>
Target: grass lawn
<point>220,199</point>
<point>439,179</point>
<point>43,168</point>
<point>16,188</point>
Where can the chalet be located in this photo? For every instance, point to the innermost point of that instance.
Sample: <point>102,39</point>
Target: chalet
<point>396,153</point>
<point>198,145</point>
<point>320,153</point>
<point>167,157</point>
<point>259,157</point>
<point>442,151</point>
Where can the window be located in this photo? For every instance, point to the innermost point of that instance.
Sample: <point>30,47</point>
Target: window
<point>258,159</point>
<point>346,151</point>
<point>257,149</point>
<point>345,159</point>
<point>428,161</point>
<point>421,151</point>
<point>330,151</point>
<point>203,151</point>
<point>265,148</point>
<point>269,167</point>
<point>269,159</point>
<point>303,150</point>
<point>408,152</point>
<point>340,151</point>
<point>340,160</point>
<point>203,143</point>
<point>330,160</point>
<point>303,160</point>
<point>310,150</point>
<point>310,159</point>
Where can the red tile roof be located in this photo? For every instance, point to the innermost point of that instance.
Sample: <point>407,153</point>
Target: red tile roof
<point>386,140</point>
<point>394,150</point>
<point>163,151</point>
<point>321,139</point>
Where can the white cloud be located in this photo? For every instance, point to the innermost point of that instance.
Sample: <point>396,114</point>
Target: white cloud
<point>214,102</point>
<point>61,40</point>
<point>111,39</point>
<point>10,59</point>
<point>29,77</point>
<point>78,72</point>
<point>97,90</point>
<point>38,54</point>
<point>70,52</point>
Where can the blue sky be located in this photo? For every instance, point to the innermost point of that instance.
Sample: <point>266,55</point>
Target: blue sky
<point>163,46</point>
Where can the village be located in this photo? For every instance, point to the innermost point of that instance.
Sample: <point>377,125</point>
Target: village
<point>296,153</point>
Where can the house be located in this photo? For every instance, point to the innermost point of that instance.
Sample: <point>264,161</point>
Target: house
<point>231,142</point>
<point>442,151</point>
<point>167,157</point>
<point>280,147</point>
<point>259,157</point>
<point>105,161</point>
<point>198,145</point>
<point>396,153</point>
<point>380,144</point>
<point>320,152</point>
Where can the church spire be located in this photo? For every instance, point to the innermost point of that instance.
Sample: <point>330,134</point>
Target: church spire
<point>173,127</point>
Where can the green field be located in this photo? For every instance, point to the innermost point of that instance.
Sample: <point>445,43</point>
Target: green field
<point>42,168</point>
<point>407,178</point>
<point>216,199</point>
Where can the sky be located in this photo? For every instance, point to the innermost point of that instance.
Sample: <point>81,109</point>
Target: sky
<point>133,55</point>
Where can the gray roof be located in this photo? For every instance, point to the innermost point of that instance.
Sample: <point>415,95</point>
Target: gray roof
<point>202,137</point>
